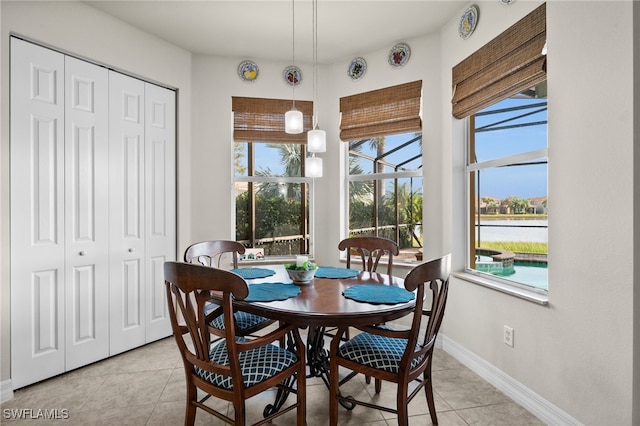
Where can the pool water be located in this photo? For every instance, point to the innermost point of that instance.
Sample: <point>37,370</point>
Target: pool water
<point>533,274</point>
<point>529,273</point>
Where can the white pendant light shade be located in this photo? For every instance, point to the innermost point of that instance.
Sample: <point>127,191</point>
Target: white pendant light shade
<point>313,167</point>
<point>293,121</point>
<point>316,140</point>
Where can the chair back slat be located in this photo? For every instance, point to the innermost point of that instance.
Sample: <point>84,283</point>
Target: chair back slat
<point>370,250</point>
<point>211,253</point>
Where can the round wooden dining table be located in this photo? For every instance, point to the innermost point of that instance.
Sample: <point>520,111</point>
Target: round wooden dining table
<point>319,306</point>
<point>321,303</point>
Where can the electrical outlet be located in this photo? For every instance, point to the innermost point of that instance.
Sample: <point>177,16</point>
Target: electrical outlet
<point>508,336</point>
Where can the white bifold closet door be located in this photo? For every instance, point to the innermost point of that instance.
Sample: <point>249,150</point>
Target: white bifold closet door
<point>160,202</point>
<point>59,237</point>
<point>92,211</point>
<point>86,213</point>
<point>142,209</point>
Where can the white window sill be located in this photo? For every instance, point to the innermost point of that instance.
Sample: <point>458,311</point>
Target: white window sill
<point>270,260</point>
<point>540,297</point>
<point>402,265</point>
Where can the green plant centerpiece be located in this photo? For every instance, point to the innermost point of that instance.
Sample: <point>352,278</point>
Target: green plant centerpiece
<point>302,271</point>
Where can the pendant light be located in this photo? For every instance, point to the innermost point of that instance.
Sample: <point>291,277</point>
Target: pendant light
<point>313,167</point>
<point>293,119</point>
<point>316,138</point>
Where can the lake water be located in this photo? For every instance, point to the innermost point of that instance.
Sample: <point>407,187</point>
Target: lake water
<point>512,230</point>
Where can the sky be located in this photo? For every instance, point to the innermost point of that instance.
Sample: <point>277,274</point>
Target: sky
<point>523,181</point>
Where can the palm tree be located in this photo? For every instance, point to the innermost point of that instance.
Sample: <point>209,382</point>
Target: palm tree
<point>360,190</point>
<point>291,159</point>
<point>378,143</point>
<point>409,212</point>
<point>238,155</point>
<point>517,204</point>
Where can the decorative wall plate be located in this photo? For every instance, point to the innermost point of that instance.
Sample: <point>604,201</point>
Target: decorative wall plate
<point>292,75</point>
<point>399,54</point>
<point>468,22</point>
<point>248,71</point>
<point>357,68</point>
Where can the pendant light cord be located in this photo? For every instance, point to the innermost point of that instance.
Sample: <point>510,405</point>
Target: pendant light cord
<point>315,62</point>
<point>293,49</point>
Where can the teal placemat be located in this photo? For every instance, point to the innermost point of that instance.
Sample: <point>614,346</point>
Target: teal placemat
<point>333,272</point>
<point>379,294</point>
<point>268,292</point>
<point>251,273</point>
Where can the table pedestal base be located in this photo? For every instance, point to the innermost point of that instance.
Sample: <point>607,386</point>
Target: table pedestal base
<point>318,363</point>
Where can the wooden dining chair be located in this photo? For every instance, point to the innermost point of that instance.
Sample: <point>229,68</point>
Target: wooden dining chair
<point>398,356</point>
<point>236,368</point>
<point>370,250</point>
<point>212,253</point>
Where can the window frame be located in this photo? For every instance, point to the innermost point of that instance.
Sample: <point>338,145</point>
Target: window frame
<point>385,112</point>
<point>405,174</point>
<point>515,288</point>
<point>307,189</point>
<point>513,61</point>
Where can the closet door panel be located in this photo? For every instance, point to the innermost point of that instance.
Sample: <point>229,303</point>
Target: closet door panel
<point>86,212</point>
<point>160,202</point>
<point>37,213</point>
<point>127,212</point>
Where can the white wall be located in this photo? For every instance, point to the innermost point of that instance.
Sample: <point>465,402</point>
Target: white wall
<point>217,81</point>
<point>85,32</point>
<point>577,352</point>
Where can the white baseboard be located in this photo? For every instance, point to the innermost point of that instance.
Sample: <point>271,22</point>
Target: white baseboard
<point>6,391</point>
<point>532,402</point>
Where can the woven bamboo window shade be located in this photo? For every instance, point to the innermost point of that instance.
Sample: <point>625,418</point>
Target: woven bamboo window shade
<point>262,120</point>
<point>508,64</point>
<point>388,111</point>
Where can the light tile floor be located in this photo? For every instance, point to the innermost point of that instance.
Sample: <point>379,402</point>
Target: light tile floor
<point>146,387</point>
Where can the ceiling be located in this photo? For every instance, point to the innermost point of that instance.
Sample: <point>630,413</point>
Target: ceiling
<point>262,29</point>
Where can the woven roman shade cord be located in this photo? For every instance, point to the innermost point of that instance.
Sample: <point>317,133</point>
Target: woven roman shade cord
<point>508,64</point>
<point>381,112</point>
<point>262,120</point>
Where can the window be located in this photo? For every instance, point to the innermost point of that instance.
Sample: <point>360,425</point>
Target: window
<point>502,89</point>
<point>383,131</point>
<point>507,171</point>
<point>272,197</point>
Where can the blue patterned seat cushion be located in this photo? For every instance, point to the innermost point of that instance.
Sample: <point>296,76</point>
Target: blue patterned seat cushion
<point>383,353</point>
<point>256,364</point>
<point>244,321</point>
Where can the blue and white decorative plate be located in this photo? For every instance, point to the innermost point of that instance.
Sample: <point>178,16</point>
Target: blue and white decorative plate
<point>468,22</point>
<point>399,54</point>
<point>357,68</point>
<point>292,75</point>
<point>248,71</point>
